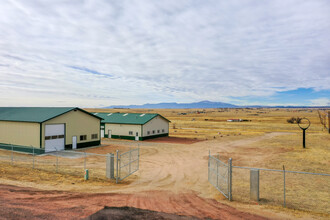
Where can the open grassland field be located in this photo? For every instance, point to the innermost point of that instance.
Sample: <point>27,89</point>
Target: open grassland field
<point>207,123</point>
<point>173,174</point>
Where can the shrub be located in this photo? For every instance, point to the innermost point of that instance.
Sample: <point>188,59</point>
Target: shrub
<point>293,120</point>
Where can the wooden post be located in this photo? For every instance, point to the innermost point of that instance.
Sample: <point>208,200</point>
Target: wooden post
<point>329,122</point>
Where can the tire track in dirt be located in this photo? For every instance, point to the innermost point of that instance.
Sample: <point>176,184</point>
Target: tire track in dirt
<point>179,171</point>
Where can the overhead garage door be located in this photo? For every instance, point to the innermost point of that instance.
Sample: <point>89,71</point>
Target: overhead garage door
<point>54,137</point>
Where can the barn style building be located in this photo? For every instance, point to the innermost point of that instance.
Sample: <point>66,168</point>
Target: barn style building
<point>133,126</point>
<point>48,128</point>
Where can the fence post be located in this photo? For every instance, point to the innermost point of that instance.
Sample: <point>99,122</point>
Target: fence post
<point>12,154</point>
<point>33,156</point>
<point>217,172</point>
<point>56,160</point>
<point>110,166</point>
<point>85,161</point>
<point>138,166</point>
<point>117,167</point>
<point>284,202</point>
<point>329,122</point>
<point>230,173</point>
<point>130,158</point>
<point>208,165</point>
<point>254,184</point>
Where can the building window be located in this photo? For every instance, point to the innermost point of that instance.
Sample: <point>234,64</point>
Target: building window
<point>61,136</point>
<point>148,132</point>
<point>48,137</point>
<point>130,132</point>
<point>54,137</point>
<point>83,137</point>
<point>158,131</point>
<point>94,136</point>
<point>153,131</point>
<point>163,130</point>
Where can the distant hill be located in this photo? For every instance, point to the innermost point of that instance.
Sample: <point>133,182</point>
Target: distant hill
<point>174,105</point>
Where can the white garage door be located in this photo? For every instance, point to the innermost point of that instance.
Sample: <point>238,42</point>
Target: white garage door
<point>54,137</point>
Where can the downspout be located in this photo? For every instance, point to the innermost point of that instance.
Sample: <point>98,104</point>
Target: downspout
<point>40,135</point>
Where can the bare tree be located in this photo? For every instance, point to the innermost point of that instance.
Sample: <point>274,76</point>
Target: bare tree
<point>323,118</point>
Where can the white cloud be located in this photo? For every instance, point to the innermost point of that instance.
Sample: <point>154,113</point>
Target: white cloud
<point>320,102</point>
<point>160,51</point>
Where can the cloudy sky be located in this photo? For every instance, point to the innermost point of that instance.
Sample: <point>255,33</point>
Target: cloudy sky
<point>100,53</point>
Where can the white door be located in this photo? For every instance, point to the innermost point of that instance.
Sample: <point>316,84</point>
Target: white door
<point>137,136</point>
<point>74,142</point>
<point>54,137</point>
<point>109,133</point>
<point>102,133</point>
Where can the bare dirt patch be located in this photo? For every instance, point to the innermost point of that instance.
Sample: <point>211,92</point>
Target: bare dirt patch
<point>107,149</point>
<point>30,203</point>
<point>118,213</point>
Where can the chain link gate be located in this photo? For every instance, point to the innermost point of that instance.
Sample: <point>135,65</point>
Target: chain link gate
<point>127,163</point>
<point>220,175</point>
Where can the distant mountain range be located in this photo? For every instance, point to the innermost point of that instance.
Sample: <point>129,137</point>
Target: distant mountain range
<point>174,105</point>
<point>202,104</point>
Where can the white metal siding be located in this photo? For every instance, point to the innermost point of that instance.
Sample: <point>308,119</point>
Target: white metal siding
<point>157,123</point>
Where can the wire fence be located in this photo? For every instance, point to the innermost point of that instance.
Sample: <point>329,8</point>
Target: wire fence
<point>292,189</point>
<point>305,191</point>
<point>128,163</point>
<point>219,175</point>
<point>75,163</point>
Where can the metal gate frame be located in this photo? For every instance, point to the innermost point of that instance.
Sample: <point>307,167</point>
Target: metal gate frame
<point>131,160</point>
<point>226,178</point>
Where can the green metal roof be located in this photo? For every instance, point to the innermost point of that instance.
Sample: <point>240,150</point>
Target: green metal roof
<point>35,114</point>
<point>127,118</point>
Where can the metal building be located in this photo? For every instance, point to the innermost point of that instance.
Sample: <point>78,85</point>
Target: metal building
<point>133,126</point>
<point>48,128</point>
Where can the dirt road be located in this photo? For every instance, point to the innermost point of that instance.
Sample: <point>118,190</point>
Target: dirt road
<point>172,179</point>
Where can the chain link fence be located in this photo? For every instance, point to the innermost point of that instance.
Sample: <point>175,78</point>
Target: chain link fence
<point>292,189</point>
<point>305,191</point>
<point>75,163</point>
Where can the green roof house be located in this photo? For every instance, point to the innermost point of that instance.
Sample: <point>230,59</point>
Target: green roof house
<point>133,126</point>
<point>48,129</point>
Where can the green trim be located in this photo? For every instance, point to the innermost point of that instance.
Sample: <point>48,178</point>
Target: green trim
<point>140,138</point>
<point>74,109</point>
<point>89,113</point>
<point>123,137</point>
<point>155,117</point>
<point>20,148</point>
<point>85,144</point>
<point>153,136</point>
<point>20,121</point>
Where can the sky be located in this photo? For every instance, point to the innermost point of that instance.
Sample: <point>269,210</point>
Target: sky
<point>100,53</point>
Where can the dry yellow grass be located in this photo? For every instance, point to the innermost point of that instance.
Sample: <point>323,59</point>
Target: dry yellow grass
<point>208,123</point>
<point>304,192</point>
